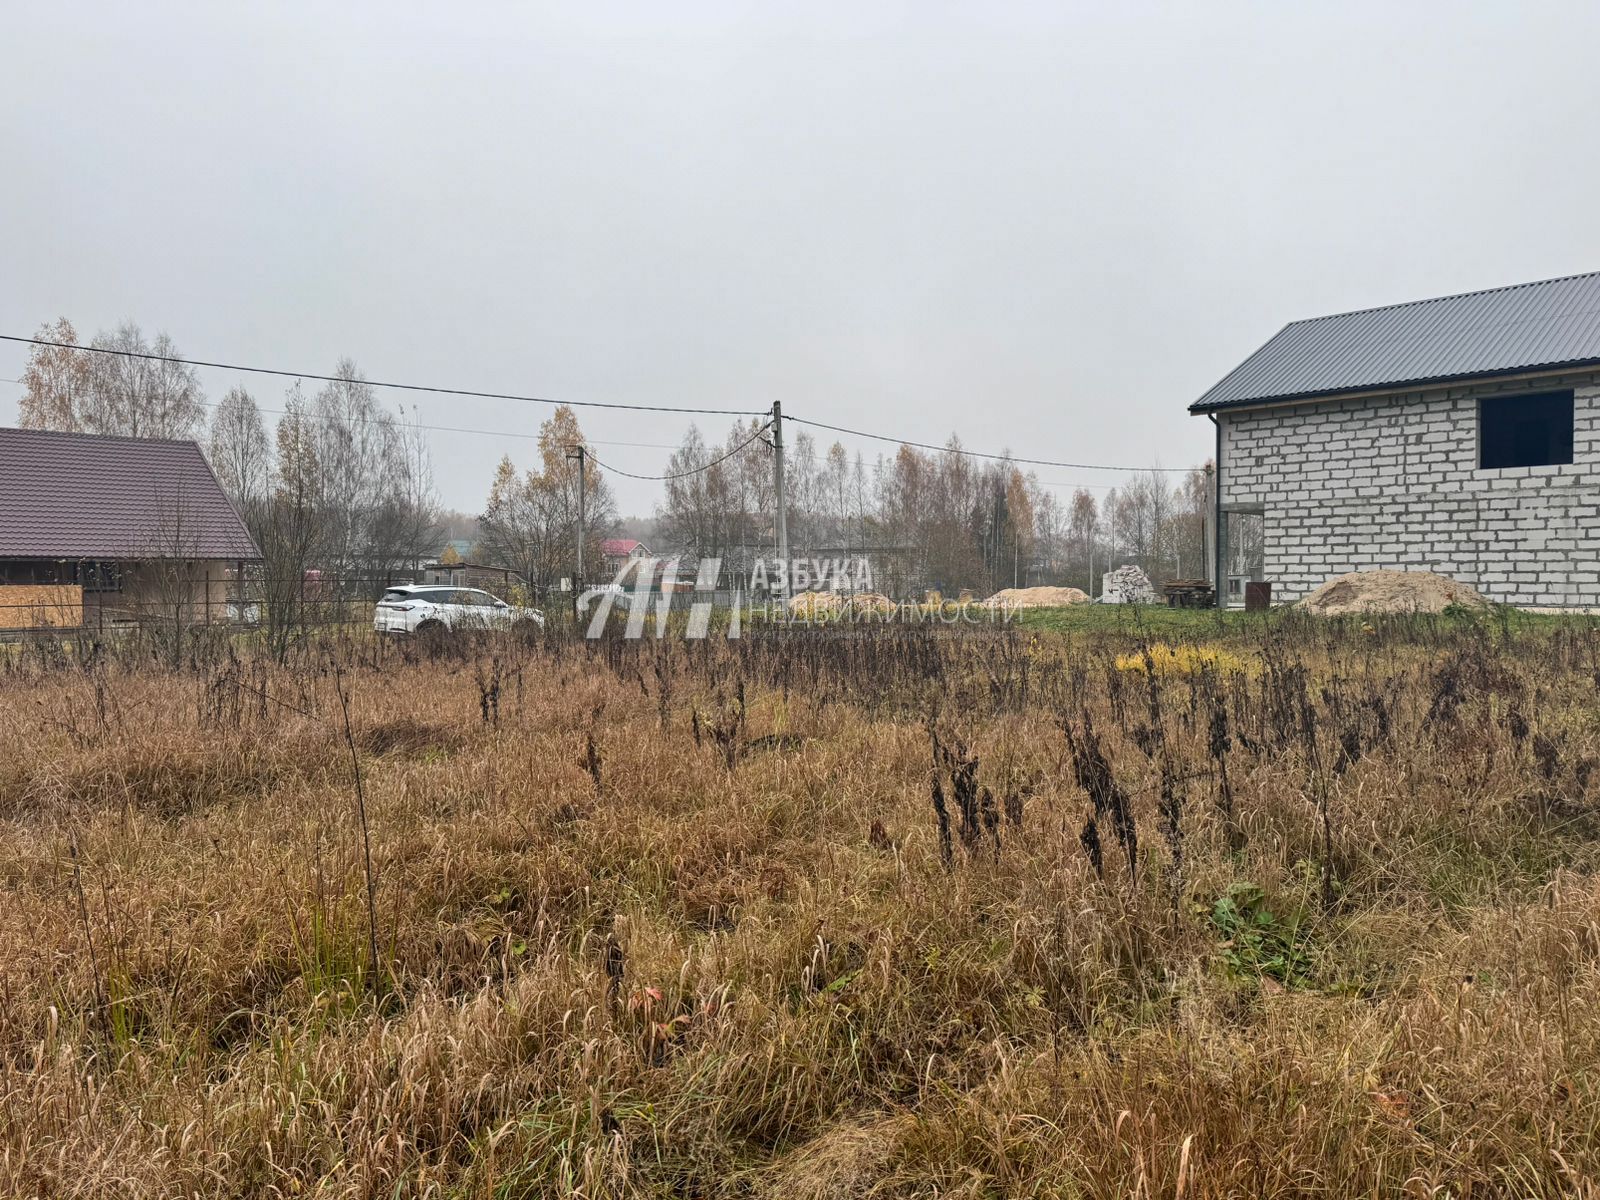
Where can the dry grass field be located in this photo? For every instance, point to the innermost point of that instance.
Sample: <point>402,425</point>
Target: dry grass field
<point>1288,908</point>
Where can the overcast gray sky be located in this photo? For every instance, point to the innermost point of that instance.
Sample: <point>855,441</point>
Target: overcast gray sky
<point>1044,227</point>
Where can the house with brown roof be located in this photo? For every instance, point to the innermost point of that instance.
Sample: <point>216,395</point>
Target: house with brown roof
<point>101,531</point>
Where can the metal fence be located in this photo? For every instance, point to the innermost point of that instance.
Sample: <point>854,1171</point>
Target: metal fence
<point>317,600</point>
<point>314,601</point>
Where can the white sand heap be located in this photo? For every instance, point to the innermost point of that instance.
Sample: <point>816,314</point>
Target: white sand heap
<point>1390,592</point>
<point>1127,585</point>
<point>1036,597</point>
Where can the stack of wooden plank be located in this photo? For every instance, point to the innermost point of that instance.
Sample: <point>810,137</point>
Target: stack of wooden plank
<point>1189,593</point>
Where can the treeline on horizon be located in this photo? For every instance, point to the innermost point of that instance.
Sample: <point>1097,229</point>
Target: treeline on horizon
<point>941,520</point>
<point>344,485</point>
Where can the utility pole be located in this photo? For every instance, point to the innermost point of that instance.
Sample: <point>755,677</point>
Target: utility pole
<point>581,454</point>
<point>1208,526</point>
<point>777,482</point>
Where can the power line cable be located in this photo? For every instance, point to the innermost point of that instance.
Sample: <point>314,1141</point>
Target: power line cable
<point>401,387</point>
<point>464,392</point>
<point>508,433</point>
<point>308,415</point>
<point>1011,458</point>
<point>685,474</point>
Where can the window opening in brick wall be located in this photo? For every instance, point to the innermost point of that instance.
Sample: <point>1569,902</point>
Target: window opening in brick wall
<point>1245,550</point>
<point>1525,431</point>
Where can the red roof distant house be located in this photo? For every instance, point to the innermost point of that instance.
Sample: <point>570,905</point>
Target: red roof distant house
<point>623,548</point>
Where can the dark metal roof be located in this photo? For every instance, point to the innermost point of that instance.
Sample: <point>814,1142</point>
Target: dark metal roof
<point>81,495</point>
<point>1529,326</point>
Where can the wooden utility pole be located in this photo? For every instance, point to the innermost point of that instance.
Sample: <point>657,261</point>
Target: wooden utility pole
<point>581,454</point>
<point>778,493</point>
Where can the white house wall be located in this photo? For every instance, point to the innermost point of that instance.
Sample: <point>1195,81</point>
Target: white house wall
<point>1392,481</point>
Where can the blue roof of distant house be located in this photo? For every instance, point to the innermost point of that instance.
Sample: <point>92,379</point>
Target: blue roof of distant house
<point>1528,326</point>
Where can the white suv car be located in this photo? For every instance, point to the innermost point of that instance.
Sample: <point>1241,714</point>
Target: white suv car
<point>437,608</point>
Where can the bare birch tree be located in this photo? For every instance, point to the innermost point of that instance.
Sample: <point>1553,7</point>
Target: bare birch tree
<point>239,451</point>
<point>132,395</point>
<point>132,388</point>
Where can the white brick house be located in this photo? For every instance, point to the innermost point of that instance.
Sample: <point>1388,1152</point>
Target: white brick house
<point>1459,435</point>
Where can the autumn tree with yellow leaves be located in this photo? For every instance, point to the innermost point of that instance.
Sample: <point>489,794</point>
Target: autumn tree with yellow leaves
<point>530,520</point>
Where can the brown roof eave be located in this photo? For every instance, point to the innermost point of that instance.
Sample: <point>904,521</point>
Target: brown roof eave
<point>124,557</point>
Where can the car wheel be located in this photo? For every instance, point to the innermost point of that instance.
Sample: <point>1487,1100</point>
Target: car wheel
<point>432,631</point>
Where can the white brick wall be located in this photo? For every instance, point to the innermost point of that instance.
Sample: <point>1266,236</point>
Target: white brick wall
<point>1393,481</point>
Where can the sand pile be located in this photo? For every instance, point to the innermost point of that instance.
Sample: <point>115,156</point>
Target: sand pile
<point>1036,597</point>
<point>874,602</point>
<point>1389,592</point>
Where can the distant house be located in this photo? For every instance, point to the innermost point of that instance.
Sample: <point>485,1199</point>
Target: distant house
<point>453,565</point>
<point>614,552</point>
<point>102,530</point>
<point>1459,435</point>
